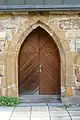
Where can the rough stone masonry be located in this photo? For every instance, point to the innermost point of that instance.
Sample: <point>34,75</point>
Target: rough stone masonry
<point>64,27</point>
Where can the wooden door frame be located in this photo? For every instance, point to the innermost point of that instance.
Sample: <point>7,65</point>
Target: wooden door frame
<point>60,40</point>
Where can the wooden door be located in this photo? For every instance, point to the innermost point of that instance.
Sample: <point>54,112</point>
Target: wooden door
<point>39,64</point>
<point>50,65</point>
<point>29,64</point>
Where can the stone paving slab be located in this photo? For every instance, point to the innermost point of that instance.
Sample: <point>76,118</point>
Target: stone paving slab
<point>56,104</point>
<point>60,118</point>
<point>40,118</point>
<point>40,108</point>
<point>5,118</point>
<point>56,108</point>
<point>75,118</point>
<point>40,113</point>
<point>20,118</point>
<point>73,109</point>
<point>5,112</point>
<point>59,113</point>
<point>21,105</point>
<point>22,108</point>
<point>21,114</point>
<point>74,113</point>
<point>31,104</point>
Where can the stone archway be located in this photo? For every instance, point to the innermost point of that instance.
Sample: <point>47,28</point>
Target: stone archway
<point>39,65</point>
<point>59,39</point>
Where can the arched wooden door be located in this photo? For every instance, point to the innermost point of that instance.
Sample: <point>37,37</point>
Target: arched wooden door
<point>39,64</point>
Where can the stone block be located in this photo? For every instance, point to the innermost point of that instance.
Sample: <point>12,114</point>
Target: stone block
<point>69,91</point>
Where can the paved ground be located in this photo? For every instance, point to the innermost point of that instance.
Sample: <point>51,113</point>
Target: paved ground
<point>40,112</point>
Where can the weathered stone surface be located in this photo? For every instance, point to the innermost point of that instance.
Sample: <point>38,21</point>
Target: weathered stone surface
<point>64,29</point>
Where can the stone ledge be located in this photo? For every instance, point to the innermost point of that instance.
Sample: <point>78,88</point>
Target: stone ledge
<point>73,100</point>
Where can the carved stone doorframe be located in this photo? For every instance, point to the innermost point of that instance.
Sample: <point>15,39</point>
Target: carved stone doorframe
<point>14,48</point>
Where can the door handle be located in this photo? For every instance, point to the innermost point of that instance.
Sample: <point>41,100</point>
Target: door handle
<point>40,68</point>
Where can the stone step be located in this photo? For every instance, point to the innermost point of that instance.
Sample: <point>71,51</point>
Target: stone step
<point>40,98</point>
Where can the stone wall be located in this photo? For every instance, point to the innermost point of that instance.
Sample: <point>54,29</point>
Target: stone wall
<point>64,27</point>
